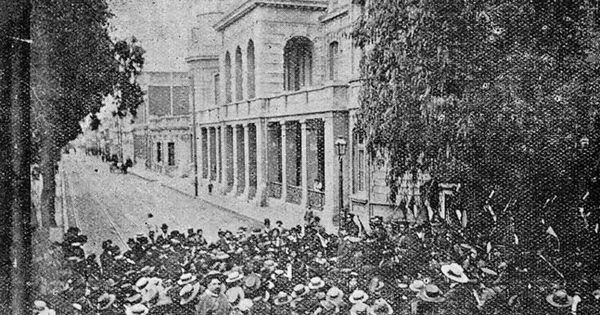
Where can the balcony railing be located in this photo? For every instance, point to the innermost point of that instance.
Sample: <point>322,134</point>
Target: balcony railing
<point>274,190</point>
<point>315,199</point>
<point>309,101</point>
<point>294,194</point>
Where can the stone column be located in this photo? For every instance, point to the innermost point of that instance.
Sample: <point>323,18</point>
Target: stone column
<point>235,153</point>
<point>261,158</point>
<point>283,161</point>
<point>304,163</point>
<point>209,151</point>
<point>200,153</point>
<point>246,160</point>
<point>330,207</point>
<point>223,158</point>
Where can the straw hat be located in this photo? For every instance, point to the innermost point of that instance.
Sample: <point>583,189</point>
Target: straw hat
<point>417,285</point>
<point>106,300</point>
<point>252,282</point>
<point>282,298</point>
<point>431,293</point>
<point>189,292</point>
<point>316,283</point>
<point>335,295</point>
<point>455,272</point>
<point>186,278</point>
<point>134,298</point>
<point>142,284</point>
<point>300,290</point>
<point>234,276</point>
<point>559,298</point>
<point>358,296</point>
<point>137,309</point>
<point>596,294</point>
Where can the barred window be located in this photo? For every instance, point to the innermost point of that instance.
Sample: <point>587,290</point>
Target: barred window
<point>171,153</point>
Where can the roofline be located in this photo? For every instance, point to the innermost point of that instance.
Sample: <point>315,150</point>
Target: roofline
<point>249,5</point>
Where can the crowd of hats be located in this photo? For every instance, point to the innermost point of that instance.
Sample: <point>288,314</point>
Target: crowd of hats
<point>393,269</point>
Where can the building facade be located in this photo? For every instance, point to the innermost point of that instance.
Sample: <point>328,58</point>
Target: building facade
<point>160,137</point>
<point>275,85</point>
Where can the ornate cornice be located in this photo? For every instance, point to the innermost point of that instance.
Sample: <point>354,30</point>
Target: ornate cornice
<point>240,11</point>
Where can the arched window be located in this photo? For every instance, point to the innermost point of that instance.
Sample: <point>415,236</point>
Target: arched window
<point>333,60</point>
<point>227,78</point>
<point>239,90</point>
<point>250,64</point>
<point>297,61</point>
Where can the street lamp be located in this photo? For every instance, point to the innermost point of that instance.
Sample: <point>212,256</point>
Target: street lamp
<point>340,147</point>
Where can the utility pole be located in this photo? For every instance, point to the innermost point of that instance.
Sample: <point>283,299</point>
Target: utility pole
<point>194,144</point>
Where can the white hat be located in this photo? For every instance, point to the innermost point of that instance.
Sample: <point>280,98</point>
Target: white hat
<point>234,276</point>
<point>455,272</point>
<point>358,296</point>
<point>431,293</point>
<point>559,298</point>
<point>417,285</point>
<point>137,309</point>
<point>189,292</point>
<point>186,278</point>
<point>316,283</point>
<point>142,284</point>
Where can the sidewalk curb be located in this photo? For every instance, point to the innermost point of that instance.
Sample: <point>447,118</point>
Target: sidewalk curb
<point>210,203</point>
<point>220,207</point>
<point>142,177</point>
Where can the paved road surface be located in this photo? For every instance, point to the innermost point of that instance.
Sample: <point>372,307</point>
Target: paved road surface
<point>116,206</point>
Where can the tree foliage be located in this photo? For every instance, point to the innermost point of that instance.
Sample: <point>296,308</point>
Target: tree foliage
<point>494,95</point>
<point>74,66</point>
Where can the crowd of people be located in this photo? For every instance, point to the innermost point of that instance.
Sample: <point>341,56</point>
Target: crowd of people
<point>391,267</point>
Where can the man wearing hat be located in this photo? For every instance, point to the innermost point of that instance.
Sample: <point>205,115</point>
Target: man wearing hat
<point>164,235</point>
<point>213,301</point>
<point>106,304</point>
<point>187,299</point>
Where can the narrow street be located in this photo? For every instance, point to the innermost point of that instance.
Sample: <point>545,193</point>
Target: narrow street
<point>114,206</point>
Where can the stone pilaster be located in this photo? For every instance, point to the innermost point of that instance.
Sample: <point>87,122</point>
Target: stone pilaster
<point>304,163</point>
<point>209,152</point>
<point>246,160</point>
<point>283,161</point>
<point>261,159</point>
<point>234,129</point>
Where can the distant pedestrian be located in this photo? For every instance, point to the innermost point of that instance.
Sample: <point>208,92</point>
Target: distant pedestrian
<point>210,187</point>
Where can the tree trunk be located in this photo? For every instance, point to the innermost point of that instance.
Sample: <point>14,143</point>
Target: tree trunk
<point>47,167</point>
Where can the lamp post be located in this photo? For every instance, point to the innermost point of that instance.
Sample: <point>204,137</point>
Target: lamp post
<point>340,147</point>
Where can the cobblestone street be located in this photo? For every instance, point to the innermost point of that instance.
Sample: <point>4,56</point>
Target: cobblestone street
<point>114,206</point>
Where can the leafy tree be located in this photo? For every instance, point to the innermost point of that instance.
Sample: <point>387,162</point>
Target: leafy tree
<point>494,95</point>
<point>75,65</point>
